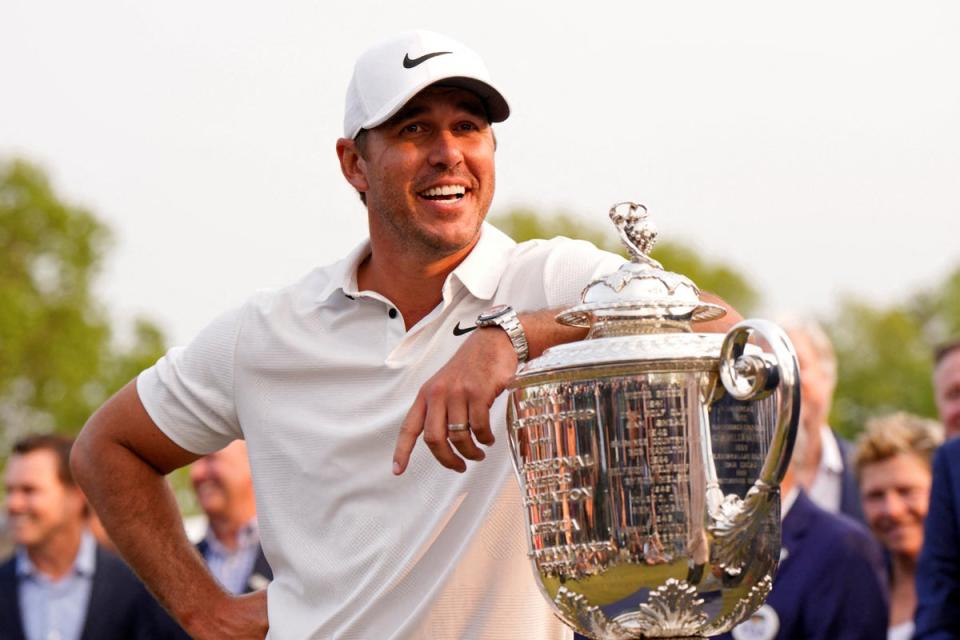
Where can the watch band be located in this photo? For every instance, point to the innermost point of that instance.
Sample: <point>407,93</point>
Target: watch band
<point>505,317</point>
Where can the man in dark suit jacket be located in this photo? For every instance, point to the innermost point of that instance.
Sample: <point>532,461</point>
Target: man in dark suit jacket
<point>231,548</point>
<point>823,460</point>
<point>831,583</point>
<point>938,570</point>
<point>60,583</point>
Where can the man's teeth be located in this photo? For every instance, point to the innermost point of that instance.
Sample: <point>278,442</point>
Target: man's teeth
<point>446,190</point>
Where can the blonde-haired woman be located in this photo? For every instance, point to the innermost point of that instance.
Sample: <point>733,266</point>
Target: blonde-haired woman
<point>893,465</point>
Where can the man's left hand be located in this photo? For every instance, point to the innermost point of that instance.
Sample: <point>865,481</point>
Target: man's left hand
<point>461,393</point>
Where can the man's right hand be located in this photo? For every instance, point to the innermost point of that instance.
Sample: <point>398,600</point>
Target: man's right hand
<point>120,461</point>
<point>235,617</point>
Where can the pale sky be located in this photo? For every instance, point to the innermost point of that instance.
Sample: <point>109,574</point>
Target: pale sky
<point>815,146</point>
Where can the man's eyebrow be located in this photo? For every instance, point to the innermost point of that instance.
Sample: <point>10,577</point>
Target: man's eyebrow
<point>474,108</point>
<point>409,112</point>
<point>406,113</point>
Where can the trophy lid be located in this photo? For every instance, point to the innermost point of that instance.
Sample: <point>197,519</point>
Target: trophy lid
<point>640,297</point>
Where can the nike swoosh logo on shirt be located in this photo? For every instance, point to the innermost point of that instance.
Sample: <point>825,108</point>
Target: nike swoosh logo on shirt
<point>457,331</point>
<point>410,63</point>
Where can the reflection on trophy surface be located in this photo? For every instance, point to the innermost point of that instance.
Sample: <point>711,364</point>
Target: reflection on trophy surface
<point>649,456</point>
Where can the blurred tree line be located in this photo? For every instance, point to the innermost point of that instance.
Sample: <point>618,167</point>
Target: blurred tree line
<point>884,353</point>
<point>60,358</point>
<point>59,354</point>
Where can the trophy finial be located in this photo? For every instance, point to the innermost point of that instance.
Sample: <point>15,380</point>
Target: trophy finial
<point>637,231</point>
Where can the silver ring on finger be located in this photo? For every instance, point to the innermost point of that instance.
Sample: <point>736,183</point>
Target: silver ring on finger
<point>457,427</point>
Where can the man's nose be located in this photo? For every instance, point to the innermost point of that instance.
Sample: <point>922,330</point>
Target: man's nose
<point>445,150</point>
<point>14,502</point>
<point>892,504</point>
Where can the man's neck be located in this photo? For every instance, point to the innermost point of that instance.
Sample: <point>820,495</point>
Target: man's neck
<point>414,283</point>
<point>54,558</point>
<point>809,466</point>
<point>227,530</point>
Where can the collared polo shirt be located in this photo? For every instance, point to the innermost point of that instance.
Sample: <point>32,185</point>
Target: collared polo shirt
<point>56,609</point>
<point>317,377</point>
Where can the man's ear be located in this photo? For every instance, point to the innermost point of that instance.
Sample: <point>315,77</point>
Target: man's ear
<point>352,164</point>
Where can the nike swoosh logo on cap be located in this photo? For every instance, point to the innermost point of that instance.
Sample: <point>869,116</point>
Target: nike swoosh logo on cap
<point>457,331</point>
<point>410,63</point>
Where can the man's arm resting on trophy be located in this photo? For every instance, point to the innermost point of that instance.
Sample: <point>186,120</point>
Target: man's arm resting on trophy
<point>120,460</point>
<point>463,391</point>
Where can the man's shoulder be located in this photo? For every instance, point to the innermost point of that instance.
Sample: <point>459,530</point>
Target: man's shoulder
<point>8,566</point>
<point>950,451</point>
<point>836,540</point>
<point>112,567</point>
<point>813,525</point>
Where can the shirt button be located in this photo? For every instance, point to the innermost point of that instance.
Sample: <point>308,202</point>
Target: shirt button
<point>392,313</point>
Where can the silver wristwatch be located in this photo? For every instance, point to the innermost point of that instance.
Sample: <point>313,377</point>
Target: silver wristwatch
<point>505,317</point>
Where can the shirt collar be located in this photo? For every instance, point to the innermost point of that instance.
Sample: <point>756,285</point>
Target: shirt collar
<point>248,536</point>
<point>343,273</point>
<point>84,564</point>
<point>479,272</point>
<point>830,457</point>
<point>787,502</point>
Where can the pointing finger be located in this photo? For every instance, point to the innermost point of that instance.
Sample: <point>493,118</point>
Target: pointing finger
<point>409,432</point>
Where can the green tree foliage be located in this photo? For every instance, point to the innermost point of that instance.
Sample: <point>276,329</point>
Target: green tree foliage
<point>885,354</point>
<point>525,224</point>
<point>58,358</point>
<point>884,365</point>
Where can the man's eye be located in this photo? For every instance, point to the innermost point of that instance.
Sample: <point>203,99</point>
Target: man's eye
<point>412,128</point>
<point>467,126</point>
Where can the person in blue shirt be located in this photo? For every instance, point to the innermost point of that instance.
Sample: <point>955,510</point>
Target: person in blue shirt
<point>59,582</point>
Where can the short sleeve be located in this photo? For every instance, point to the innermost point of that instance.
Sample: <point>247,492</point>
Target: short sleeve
<point>570,266</point>
<point>189,392</point>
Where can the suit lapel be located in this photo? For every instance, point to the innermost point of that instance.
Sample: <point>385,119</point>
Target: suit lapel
<point>99,598</point>
<point>261,574</point>
<point>10,624</point>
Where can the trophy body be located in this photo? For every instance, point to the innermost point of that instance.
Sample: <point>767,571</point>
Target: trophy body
<point>649,459</point>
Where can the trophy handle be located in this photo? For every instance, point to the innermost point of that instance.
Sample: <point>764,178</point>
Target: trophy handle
<point>752,377</point>
<point>733,520</point>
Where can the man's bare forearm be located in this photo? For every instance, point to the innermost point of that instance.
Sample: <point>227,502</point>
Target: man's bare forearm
<point>120,462</point>
<point>543,331</point>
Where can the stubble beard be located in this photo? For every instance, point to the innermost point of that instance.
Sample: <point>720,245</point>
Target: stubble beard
<point>396,218</point>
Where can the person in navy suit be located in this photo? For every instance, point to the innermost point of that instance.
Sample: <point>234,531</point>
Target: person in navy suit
<point>831,583</point>
<point>60,583</point>
<point>946,386</point>
<point>824,462</point>
<point>938,570</point>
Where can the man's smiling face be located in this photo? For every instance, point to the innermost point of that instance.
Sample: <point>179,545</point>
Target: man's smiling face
<point>39,506</point>
<point>429,172</point>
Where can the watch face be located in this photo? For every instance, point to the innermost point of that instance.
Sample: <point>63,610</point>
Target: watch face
<point>493,312</point>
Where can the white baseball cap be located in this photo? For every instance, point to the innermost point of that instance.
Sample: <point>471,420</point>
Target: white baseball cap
<point>388,74</point>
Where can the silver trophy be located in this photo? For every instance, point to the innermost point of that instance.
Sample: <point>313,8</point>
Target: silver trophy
<point>650,456</point>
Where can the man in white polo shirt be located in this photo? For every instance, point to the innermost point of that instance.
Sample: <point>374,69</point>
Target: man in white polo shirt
<point>331,382</point>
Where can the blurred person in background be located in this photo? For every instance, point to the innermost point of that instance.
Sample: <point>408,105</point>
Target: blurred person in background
<point>946,386</point>
<point>938,570</point>
<point>831,582</point>
<point>822,459</point>
<point>231,547</point>
<point>893,464</point>
<point>60,584</point>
